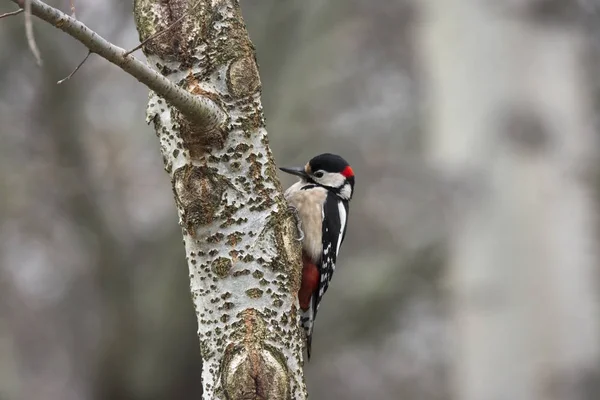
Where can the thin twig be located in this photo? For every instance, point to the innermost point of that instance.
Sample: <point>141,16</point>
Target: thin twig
<point>29,33</point>
<point>76,69</point>
<point>200,109</point>
<point>157,34</point>
<point>73,11</point>
<point>9,14</point>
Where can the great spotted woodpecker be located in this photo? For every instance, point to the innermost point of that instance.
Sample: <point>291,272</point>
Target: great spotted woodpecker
<point>321,200</point>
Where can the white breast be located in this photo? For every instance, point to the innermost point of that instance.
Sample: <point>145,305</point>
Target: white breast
<point>309,204</point>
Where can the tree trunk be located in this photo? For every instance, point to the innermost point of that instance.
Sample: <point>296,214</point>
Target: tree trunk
<point>511,116</point>
<point>240,240</point>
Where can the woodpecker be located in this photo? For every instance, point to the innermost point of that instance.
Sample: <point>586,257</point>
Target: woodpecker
<point>320,199</point>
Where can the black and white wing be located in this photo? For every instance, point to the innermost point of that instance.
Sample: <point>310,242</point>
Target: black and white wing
<point>335,218</point>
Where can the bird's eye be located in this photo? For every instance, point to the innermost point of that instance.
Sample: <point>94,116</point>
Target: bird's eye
<point>318,174</point>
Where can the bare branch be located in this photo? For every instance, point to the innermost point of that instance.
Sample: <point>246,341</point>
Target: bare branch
<point>198,108</point>
<point>76,69</point>
<point>10,14</point>
<point>73,10</point>
<point>29,34</point>
<point>157,34</point>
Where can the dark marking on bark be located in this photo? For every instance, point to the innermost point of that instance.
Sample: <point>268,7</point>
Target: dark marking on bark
<point>271,174</point>
<point>235,255</point>
<point>253,369</point>
<point>254,293</point>
<point>284,317</point>
<point>165,46</point>
<point>226,295</point>
<point>286,228</point>
<point>221,267</point>
<point>216,238</point>
<point>234,238</point>
<point>178,19</point>
<point>277,303</point>
<point>198,139</point>
<point>244,272</point>
<point>242,77</point>
<point>258,274</point>
<point>293,312</point>
<point>198,192</point>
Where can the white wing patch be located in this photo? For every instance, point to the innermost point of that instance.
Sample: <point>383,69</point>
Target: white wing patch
<point>324,278</point>
<point>343,219</point>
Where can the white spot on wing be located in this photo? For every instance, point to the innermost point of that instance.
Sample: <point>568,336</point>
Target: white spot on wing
<point>343,219</point>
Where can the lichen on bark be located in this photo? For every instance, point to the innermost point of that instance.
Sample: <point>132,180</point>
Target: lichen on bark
<point>240,242</point>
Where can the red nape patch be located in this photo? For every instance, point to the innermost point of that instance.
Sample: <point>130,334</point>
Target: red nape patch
<point>347,172</point>
<point>310,283</point>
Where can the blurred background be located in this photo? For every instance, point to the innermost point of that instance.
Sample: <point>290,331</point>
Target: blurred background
<point>94,295</point>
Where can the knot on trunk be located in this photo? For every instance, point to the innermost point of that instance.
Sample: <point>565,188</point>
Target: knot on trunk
<point>253,370</point>
<point>242,77</point>
<point>198,192</point>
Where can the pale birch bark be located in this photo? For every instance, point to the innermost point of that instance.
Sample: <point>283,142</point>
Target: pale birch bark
<point>511,115</point>
<point>240,240</point>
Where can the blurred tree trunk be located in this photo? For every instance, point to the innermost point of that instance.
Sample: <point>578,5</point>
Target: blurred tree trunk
<point>239,238</point>
<point>511,119</point>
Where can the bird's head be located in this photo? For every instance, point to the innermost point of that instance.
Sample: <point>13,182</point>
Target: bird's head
<point>329,171</point>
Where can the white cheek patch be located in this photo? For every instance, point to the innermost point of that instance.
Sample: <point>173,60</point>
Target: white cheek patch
<point>330,179</point>
<point>346,191</point>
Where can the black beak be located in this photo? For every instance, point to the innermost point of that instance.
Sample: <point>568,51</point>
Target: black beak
<point>298,171</point>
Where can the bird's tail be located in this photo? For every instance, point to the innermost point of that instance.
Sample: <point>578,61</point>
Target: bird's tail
<point>308,345</point>
<point>307,321</point>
